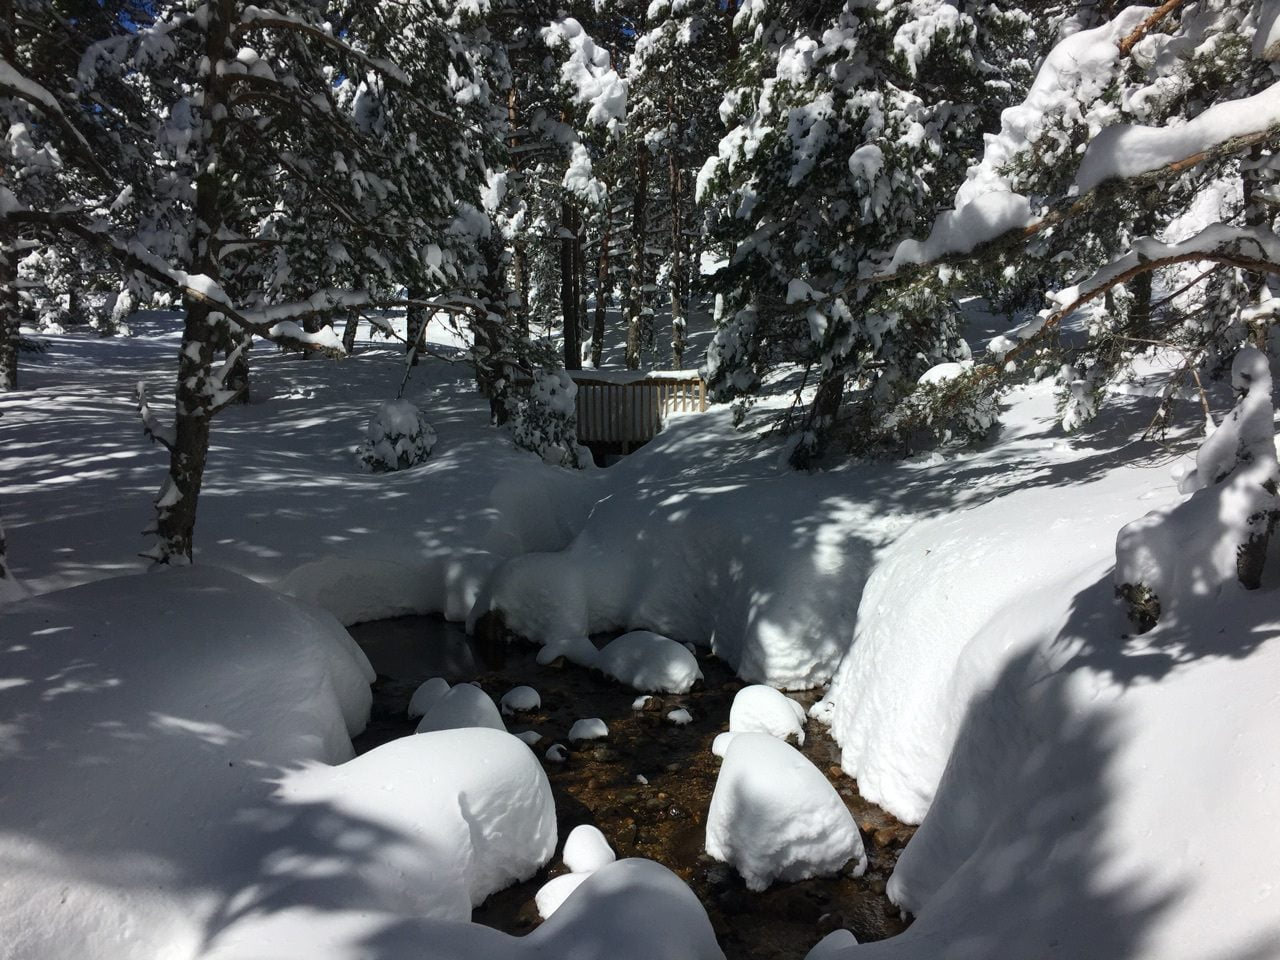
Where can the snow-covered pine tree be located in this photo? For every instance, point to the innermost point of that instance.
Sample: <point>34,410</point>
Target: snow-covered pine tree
<point>247,137</point>
<point>1133,177</point>
<point>676,79</point>
<point>846,123</point>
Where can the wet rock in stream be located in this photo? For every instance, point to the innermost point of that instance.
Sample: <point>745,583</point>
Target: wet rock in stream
<point>647,787</point>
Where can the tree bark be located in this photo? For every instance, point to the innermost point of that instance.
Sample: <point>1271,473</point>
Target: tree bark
<point>349,331</point>
<point>604,288</point>
<point>10,314</point>
<point>416,320</point>
<point>569,286</point>
<point>677,243</point>
<point>176,505</point>
<point>636,270</point>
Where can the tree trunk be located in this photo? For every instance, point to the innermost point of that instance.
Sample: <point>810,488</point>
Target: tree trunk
<point>10,315</point>
<point>416,320</point>
<point>176,505</point>
<point>569,286</point>
<point>635,300</point>
<point>519,256</point>
<point>349,331</point>
<point>492,354</point>
<point>677,244</point>
<point>603,289</point>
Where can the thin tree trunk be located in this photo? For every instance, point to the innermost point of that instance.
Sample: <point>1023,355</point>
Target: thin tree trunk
<point>519,256</point>
<point>677,281</point>
<point>635,300</point>
<point>10,315</point>
<point>603,288</point>
<point>580,278</point>
<point>416,320</point>
<point>568,287</point>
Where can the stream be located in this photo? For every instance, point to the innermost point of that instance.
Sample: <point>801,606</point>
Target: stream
<point>604,783</point>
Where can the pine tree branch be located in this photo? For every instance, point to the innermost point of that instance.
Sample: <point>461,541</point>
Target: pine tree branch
<point>1147,25</point>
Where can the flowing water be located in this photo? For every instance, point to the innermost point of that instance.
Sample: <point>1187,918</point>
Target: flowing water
<point>647,786</point>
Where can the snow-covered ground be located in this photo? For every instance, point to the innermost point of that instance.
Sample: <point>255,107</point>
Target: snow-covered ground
<point>174,747</point>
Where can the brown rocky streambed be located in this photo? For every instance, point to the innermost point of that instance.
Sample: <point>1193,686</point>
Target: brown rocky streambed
<point>647,786</point>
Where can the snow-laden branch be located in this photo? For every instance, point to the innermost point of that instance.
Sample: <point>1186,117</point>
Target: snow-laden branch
<point>254,17</point>
<point>1127,151</point>
<point>14,84</point>
<point>1254,249</point>
<point>588,72</point>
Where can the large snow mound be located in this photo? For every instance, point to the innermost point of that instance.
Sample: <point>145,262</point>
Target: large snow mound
<point>646,661</point>
<point>774,816</point>
<point>143,721</point>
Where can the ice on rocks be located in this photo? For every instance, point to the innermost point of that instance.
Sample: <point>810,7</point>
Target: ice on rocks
<point>519,699</point>
<point>761,709</point>
<point>648,661</point>
<point>774,816</point>
<point>465,705</point>
<point>591,728</point>
<point>427,696</point>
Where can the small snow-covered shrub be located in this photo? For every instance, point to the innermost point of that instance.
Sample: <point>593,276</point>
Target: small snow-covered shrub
<point>398,436</point>
<point>1221,531</point>
<point>546,420</point>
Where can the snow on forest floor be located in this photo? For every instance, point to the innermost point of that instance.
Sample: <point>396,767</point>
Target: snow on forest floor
<point>1067,777</point>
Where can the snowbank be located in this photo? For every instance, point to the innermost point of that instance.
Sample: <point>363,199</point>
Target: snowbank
<point>1084,792</point>
<point>741,568</point>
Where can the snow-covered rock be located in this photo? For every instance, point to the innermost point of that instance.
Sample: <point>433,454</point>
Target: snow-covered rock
<point>463,813</point>
<point>427,696</point>
<point>586,849</point>
<point>774,816</point>
<point>557,753</point>
<point>761,709</point>
<point>648,661</point>
<point>529,736</point>
<point>465,705</point>
<point>519,699</point>
<point>556,891</point>
<point>680,716</point>
<point>590,728</point>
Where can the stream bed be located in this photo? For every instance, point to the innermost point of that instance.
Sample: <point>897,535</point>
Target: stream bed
<point>647,786</point>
